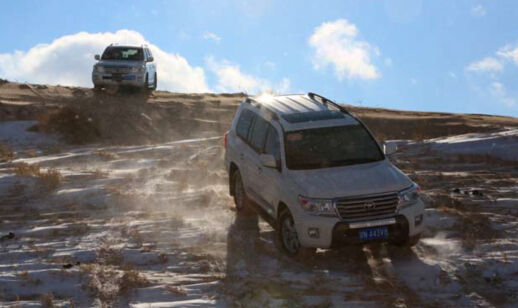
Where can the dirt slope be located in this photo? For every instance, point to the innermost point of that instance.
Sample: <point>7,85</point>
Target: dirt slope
<point>136,118</point>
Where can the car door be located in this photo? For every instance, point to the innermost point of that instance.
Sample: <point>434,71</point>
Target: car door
<point>256,141</point>
<point>243,152</point>
<point>270,178</point>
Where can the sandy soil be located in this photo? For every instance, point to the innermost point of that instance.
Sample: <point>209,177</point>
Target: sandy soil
<point>147,222</point>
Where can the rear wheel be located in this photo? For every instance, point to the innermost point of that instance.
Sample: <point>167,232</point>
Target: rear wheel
<point>289,239</point>
<point>97,88</point>
<point>240,198</point>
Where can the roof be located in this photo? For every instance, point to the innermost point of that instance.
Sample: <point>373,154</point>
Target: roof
<point>303,111</point>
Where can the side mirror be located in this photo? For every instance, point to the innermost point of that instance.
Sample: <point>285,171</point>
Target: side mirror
<point>268,161</point>
<point>150,59</point>
<point>389,148</point>
<point>97,57</point>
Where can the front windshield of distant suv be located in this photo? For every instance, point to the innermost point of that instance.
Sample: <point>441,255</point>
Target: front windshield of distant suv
<point>330,147</point>
<point>123,53</point>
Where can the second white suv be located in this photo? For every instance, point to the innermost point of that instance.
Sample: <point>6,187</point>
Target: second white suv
<point>316,173</point>
<point>125,66</point>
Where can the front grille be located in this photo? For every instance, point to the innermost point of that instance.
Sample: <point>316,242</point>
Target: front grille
<point>367,207</point>
<point>117,69</point>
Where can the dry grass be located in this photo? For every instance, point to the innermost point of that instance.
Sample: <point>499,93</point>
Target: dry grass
<point>132,279</point>
<point>107,283</point>
<point>6,153</point>
<point>77,126</point>
<point>50,179</point>
<point>47,300</point>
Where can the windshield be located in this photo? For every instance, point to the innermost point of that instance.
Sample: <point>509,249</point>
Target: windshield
<point>330,147</point>
<point>123,53</point>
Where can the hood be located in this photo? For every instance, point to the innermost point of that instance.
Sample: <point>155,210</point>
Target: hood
<point>361,179</point>
<point>119,63</point>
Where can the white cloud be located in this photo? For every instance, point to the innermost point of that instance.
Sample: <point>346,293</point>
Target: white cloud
<point>68,60</point>
<point>335,45</point>
<point>499,91</point>
<point>487,64</point>
<point>510,53</point>
<point>212,36</point>
<point>478,11</point>
<point>232,79</point>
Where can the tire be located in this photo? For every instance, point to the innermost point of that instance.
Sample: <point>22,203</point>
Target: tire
<point>240,198</point>
<point>146,83</point>
<point>155,82</point>
<point>289,242</point>
<point>97,88</point>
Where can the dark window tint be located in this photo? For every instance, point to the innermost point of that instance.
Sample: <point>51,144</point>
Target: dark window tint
<point>272,145</point>
<point>330,147</point>
<point>123,53</point>
<point>243,124</point>
<point>259,133</point>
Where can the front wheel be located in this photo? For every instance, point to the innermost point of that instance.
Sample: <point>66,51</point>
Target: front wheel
<point>289,239</point>
<point>155,82</point>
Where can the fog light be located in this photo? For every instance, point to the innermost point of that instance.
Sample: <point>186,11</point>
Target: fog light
<point>313,232</point>
<point>418,220</point>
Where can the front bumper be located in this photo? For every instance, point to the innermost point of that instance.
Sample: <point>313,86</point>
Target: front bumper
<point>333,232</point>
<point>130,79</point>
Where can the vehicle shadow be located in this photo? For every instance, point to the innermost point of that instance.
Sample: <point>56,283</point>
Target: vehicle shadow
<point>384,272</point>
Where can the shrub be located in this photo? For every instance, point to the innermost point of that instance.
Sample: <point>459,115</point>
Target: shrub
<point>6,154</point>
<point>50,179</point>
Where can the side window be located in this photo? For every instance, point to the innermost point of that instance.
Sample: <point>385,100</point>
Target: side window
<point>149,52</point>
<point>259,133</point>
<point>272,145</point>
<point>243,124</point>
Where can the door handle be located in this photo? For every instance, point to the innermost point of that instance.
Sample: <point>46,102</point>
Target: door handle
<point>242,156</point>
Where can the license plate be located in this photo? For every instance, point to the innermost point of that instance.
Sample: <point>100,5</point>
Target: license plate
<point>373,233</point>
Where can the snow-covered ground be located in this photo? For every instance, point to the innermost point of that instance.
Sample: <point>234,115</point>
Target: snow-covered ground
<point>153,226</point>
<point>501,145</point>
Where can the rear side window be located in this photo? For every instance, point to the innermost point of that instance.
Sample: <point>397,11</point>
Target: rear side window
<point>243,124</point>
<point>259,133</point>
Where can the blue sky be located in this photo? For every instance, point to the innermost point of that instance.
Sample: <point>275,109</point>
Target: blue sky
<point>454,56</point>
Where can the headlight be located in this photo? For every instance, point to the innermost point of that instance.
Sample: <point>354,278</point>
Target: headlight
<point>323,207</point>
<point>408,196</point>
<point>140,69</point>
<point>98,68</point>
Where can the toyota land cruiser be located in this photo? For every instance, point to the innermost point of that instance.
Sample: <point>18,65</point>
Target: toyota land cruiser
<point>125,65</point>
<point>315,172</point>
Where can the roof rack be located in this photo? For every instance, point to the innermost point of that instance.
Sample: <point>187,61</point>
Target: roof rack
<point>326,101</point>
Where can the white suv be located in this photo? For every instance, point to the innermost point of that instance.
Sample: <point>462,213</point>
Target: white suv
<point>316,173</point>
<point>125,65</point>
